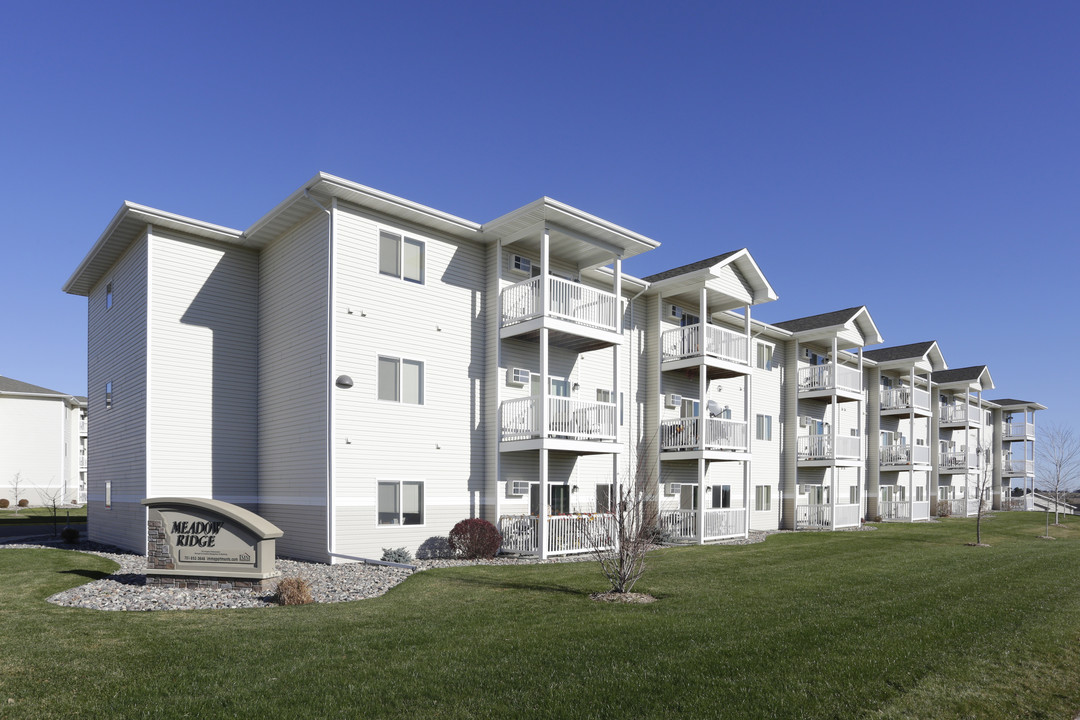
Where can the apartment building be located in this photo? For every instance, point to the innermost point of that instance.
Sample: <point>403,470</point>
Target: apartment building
<point>43,442</point>
<point>1013,434</point>
<point>964,445</point>
<point>365,371</point>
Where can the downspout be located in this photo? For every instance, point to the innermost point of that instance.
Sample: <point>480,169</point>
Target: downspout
<point>329,377</point>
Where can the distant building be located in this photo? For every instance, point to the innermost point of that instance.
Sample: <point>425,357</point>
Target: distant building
<point>43,441</point>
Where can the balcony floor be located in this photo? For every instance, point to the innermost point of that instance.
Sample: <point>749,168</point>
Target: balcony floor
<point>710,455</point>
<point>833,462</point>
<point>562,333</point>
<point>841,395</point>
<point>581,447</point>
<point>715,368</point>
<point>919,412</point>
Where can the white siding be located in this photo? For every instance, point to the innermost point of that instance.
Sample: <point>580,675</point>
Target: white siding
<point>293,387</point>
<point>204,370</point>
<point>441,442</point>
<point>32,441</point>
<point>117,448</point>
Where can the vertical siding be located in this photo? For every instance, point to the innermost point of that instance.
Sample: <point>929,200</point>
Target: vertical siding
<point>204,370</point>
<point>292,387</point>
<point>441,442</point>
<point>117,437</point>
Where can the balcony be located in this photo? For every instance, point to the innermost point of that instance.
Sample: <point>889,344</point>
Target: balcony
<point>903,400</point>
<point>726,353</point>
<point>82,427</point>
<point>720,523</point>
<point>959,507</point>
<point>903,510</point>
<point>1018,431</point>
<point>1026,502</point>
<point>566,534</point>
<point>821,380</point>
<point>959,415</point>
<point>821,516</point>
<point>820,449</point>
<point>82,461</point>
<point>904,455</point>
<point>958,461</point>
<point>568,420</point>
<point>581,317</point>
<point>682,434</point>
<point>1017,468</point>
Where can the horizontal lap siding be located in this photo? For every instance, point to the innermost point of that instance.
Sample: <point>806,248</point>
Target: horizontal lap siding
<point>204,370</point>
<point>768,399</point>
<point>117,437</point>
<point>292,321</point>
<point>442,441</point>
<point>32,439</point>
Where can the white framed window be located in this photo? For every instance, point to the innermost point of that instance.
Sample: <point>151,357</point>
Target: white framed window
<point>762,498</point>
<point>401,257</point>
<point>764,356</point>
<point>558,499</point>
<point>557,387</point>
<point>108,395</point>
<point>689,408</point>
<point>919,490</point>
<point>853,495</point>
<point>400,502</point>
<point>401,380</point>
<point>604,396</point>
<point>108,495</point>
<point>108,296</point>
<point>764,427</point>
<point>721,496</point>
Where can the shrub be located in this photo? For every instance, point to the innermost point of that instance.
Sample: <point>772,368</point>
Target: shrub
<point>397,555</point>
<point>69,535</point>
<point>4,502</point>
<point>24,503</point>
<point>293,591</point>
<point>944,508</point>
<point>475,538</point>
<point>436,546</point>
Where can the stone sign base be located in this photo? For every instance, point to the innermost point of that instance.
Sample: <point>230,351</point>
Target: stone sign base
<point>201,583</point>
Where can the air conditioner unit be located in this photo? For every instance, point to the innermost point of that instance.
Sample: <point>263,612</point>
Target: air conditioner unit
<point>673,400</point>
<point>673,488</point>
<point>519,487</point>
<point>519,377</point>
<point>806,421</point>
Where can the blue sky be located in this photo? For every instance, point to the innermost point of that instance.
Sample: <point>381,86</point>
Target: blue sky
<point>919,158</point>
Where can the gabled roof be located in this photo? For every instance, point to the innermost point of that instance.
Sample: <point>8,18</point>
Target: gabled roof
<point>11,386</point>
<point>731,279</point>
<point>691,267</point>
<point>1011,404</point>
<point>926,354</point>
<point>974,375</point>
<point>819,326</point>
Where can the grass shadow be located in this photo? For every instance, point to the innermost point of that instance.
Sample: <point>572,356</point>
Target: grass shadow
<point>90,574</point>
<point>528,585</point>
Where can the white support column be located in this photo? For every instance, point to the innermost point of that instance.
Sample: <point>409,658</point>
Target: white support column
<point>834,359</point>
<point>615,484</point>
<point>703,390</point>
<point>700,509</point>
<point>746,496</point>
<point>543,422</point>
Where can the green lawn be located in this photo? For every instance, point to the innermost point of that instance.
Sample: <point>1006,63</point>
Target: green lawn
<point>903,622</point>
<point>33,515</point>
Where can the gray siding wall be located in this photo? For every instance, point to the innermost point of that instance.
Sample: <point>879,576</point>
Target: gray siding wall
<point>117,438</point>
<point>440,442</point>
<point>203,370</point>
<point>293,284</point>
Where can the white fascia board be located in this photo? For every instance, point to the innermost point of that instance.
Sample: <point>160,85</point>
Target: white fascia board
<point>631,285</point>
<point>757,327</point>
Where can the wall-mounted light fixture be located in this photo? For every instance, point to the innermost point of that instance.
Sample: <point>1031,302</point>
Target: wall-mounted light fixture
<point>344,381</point>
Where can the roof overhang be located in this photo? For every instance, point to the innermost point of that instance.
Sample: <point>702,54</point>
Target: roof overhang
<point>930,361</point>
<point>860,322</point>
<point>574,236</point>
<point>127,225</point>
<point>686,289</point>
<point>982,383</point>
<point>1018,405</point>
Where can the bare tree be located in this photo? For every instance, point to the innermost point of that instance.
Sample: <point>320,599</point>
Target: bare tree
<point>52,497</point>
<point>621,540</point>
<point>16,489</point>
<point>983,483</point>
<point>1057,463</point>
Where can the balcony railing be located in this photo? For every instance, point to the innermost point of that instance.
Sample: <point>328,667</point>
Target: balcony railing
<point>566,533</point>
<point>821,516</point>
<point>719,523</point>
<point>567,417</point>
<point>904,510</point>
<point>904,398</point>
<point>82,426</point>
<point>1017,467</point>
<point>720,343</point>
<point>820,447</point>
<point>829,377</point>
<point>566,300</point>
<point>958,414</point>
<point>1018,503</point>
<point>1019,431</point>
<point>682,434</point>
<point>958,460</point>
<point>905,455</point>
<point>82,462</point>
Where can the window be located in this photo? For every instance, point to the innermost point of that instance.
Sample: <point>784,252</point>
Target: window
<point>603,498</point>
<point>108,395</point>
<point>401,257</point>
<point>108,495</point>
<point>689,408</point>
<point>762,498</point>
<point>764,427</point>
<point>919,493</point>
<point>721,496</point>
<point>688,497</point>
<point>557,387</point>
<point>603,396</point>
<point>401,503</point>
<point>401,380</point>
<point>764,356</point>
<point>853,495</point>
<point>108,296</point>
